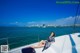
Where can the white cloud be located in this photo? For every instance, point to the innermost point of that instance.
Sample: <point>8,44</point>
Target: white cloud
<point>67,21</point>
<point>63,21</point>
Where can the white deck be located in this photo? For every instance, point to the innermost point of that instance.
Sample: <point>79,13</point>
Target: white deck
<point>63,44</point>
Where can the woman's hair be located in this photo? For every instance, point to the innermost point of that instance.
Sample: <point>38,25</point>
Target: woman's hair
<point>53,34</point>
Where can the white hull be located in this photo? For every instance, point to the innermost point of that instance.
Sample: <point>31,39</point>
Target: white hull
<point>63,44</point>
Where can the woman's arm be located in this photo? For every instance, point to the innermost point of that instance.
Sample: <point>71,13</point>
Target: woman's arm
<point>41,44</point>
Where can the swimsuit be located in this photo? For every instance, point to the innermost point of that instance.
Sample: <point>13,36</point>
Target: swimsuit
<point>48,43</point>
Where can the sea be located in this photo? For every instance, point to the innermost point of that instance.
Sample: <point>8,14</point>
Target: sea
<point>20,36</point>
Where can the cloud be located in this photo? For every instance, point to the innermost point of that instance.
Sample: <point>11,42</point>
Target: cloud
<point>68,21</point>
<point>62,21</point>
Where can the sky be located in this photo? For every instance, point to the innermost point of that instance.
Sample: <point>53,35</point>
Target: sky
<point>26,12</point>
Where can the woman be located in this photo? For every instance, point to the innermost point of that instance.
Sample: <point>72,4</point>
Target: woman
<point>42,43</point>
<point>46,44</point>
<point>51,37</point>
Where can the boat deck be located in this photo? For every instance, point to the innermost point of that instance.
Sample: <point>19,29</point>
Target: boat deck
<point>63,44</point>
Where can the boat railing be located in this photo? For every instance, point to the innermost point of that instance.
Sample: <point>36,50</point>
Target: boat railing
<point>14,42</point>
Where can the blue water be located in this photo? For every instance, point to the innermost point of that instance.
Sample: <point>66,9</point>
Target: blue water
<point>19,36</point>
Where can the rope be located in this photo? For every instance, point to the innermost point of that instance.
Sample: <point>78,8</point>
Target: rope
<point>11,37</point>
<point>8,44</point>
<point>75,20</point>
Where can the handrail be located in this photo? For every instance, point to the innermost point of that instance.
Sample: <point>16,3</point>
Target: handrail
<point>11,37</point>
<point>22,40</point>
<point>14,43</point>
<point>3,38</point>
<point>19,42</point>
<point>15,37</point>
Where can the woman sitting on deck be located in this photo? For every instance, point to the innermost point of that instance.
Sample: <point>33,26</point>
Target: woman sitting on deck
<point>46,44</point>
